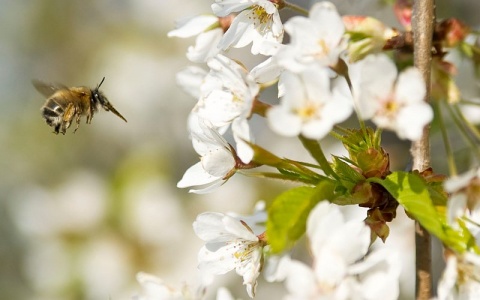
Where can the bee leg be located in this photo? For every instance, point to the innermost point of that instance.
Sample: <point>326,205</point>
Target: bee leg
<point>90,116</point>
<point>77,120</point>
<point>70,112</point>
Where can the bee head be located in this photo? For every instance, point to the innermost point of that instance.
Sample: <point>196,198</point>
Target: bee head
<point>98,98</point>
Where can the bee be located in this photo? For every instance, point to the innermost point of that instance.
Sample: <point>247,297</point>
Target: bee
<point>66,104</point>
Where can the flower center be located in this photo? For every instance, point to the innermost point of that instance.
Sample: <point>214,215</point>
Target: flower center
<point>308,111</point>
<point>324,49</point>
<point>261,20</point>
<point>261,15</point>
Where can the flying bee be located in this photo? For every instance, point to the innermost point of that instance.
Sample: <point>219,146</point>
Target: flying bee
<point>65,104</point>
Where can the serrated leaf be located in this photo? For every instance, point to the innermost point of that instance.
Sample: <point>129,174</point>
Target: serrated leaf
<point>348,175</point>
<point>287,216</point>
<point>412,192</point>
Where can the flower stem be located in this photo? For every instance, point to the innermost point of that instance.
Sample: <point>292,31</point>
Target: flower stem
<point>423,24</point>
<point>296,8</point>
<point>461,123</point>
<point>446,141</point>
<point>470,126</point>
<point>280,176</point>
<point>316,151</point>
<point>260,108</point>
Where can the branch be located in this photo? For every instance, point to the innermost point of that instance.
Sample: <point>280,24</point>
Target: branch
<point>423,26</point>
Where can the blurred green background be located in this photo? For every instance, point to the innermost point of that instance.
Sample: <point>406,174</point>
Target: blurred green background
<point>81,214</point>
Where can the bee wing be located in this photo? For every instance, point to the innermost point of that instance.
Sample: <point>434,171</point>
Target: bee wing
<point>47,89</point>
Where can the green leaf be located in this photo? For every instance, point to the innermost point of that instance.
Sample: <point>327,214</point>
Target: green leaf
<point>412,192</point>
<point>287,216</point>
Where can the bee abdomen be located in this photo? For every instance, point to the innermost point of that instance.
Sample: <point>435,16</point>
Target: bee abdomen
<point>53,112</point>
<point>52,107</point>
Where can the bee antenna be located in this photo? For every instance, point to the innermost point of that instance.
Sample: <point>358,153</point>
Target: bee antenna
<point>98,86</point>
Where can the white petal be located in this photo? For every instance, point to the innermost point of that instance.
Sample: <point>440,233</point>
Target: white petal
<point>412,119</point>
<point>323,219</point>
<point>276,268</point>
<point>372,80</point>
<point>190,80</point>
<point>330,267</point>
<point>379,274</point>
<point>242,134</point>
<point>300,280</point>
<point>456,183</point>
<point>446,286</point>
<point>266,71</point>
<point>316,129</point>
<point>294,93</point>
<point>456,206</point>
<point>207,188</point>
<point>155,288</point>
<point>328,22</point>
<point>283,122</point>
<point>196,175</point>
<point>238,229</point>
<point>351,241</point>
<point>240,33</point>
<point>205,46</point>
<point>209,226</point>
<point>225,7</point>
<point>250,270</point>
<point>218,262</point>
<point>218,162</point>
<point>193,26</point>
<point>410,87</point>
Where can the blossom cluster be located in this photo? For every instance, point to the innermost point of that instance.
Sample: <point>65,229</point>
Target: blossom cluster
<point>332,67</point>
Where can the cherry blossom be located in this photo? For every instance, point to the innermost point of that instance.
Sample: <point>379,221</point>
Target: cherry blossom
<point>258,22</point>
<point>394,102</point>
<point>155,288</point>
<point>217,158</point>
<point>230,244</point>
<point>308,106</point>
<point>341,267</point>
<point>461,278</point>
<point>316,39</point>
<point>226,98</point>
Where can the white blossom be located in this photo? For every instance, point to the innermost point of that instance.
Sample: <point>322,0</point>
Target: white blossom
<point>341,269</point>
<point>226,98</point>
<point>391,102</point>
<point>217,160</point>
<point>229,244</point>
<point>309,106</point>
<point>258,22</point>
<point>155,288</point>
<point>464,200</point>
<point>316,39</point>
<point>461,278</point>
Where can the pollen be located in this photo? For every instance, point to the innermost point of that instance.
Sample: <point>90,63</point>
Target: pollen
<point>323,48</point>
<point>261,20</point>
<point>391,107</point>
<point>261,15</point>
<point>307,112</point>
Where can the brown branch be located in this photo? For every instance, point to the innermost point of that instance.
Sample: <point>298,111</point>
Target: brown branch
<point>423,27</point>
